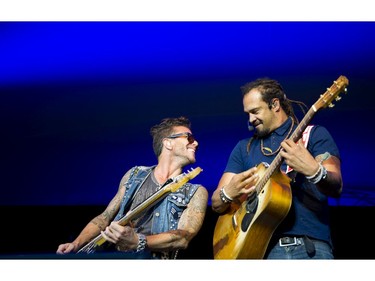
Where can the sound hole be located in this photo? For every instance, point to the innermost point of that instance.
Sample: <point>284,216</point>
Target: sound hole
<point>251,208</point>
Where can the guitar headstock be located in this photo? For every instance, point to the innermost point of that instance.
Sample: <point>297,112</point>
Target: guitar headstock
<point>193,173</point>
<point>332,93</point>
<point>182,179</point>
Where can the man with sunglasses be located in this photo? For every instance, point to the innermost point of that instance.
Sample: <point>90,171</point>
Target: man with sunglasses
<point>161,230</point>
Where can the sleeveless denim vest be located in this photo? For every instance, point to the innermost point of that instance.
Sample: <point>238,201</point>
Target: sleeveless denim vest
<point>168,211</point>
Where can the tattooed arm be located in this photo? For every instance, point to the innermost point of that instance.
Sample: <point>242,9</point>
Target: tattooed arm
<point>190,223</point>
<point>97,224</point>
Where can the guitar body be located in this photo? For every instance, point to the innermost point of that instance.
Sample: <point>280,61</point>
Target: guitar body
<point>245,230</point>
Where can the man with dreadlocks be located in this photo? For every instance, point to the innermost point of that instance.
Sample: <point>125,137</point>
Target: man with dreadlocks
<point>313,167</point>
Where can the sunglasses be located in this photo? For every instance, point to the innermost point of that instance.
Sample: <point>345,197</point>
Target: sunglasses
<point>189,137</point>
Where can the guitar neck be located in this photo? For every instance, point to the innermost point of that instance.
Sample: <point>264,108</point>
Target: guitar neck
<point>171,185</point>
<point>276,163</point>
<point>131,215</point>
<point>134,213</point>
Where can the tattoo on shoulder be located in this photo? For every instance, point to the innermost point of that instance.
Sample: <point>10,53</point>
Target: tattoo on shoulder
<point>322,157</point>
<point>199,200</point>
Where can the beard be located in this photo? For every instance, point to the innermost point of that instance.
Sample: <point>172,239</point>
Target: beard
<point>261,133</point>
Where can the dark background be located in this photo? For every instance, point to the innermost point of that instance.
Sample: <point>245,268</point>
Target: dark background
<point>35,232</point>
<point>77,100</point>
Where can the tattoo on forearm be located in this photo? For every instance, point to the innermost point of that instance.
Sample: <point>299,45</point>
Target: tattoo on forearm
<point>176,235</point>
<point>99,223</point>
<point>107,215</point>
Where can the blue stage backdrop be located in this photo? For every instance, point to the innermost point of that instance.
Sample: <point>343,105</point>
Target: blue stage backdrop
<point>78,98</point>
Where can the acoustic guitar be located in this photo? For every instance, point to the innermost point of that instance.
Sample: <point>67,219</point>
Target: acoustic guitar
<point>245,230</point>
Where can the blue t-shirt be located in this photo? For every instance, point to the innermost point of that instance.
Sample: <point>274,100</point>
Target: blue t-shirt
<point>309,212</point>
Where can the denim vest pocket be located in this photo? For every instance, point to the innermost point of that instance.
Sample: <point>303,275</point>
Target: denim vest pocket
<point>177,204</point>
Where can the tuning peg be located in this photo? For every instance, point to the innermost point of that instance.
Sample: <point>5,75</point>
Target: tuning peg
<point>331,105</point>
<point>338,98</point>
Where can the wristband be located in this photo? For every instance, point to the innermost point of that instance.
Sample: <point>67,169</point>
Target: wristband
<point>319,175</point>
<point>142,242</point>
<point>224,197</point>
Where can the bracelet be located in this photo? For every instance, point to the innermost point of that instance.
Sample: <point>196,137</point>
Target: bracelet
<point>142,242</point>
<point>319,175</point>
<point>224,197</point>
<point>324,173</point>
<point>316,174</point>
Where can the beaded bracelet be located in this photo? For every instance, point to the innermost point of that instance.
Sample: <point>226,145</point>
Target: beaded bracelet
<point>319,175</point>
<point>224,197</point>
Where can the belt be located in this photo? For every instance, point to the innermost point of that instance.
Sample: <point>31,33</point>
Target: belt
<point>290,241</point>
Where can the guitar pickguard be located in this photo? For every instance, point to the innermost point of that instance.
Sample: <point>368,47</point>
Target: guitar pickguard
<point>251,208</point>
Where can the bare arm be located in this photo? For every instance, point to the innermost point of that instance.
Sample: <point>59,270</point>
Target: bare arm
<point>235,186</point>
<point>97,224</point>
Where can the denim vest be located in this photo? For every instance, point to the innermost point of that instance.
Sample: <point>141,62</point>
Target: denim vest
<point>168,211</point>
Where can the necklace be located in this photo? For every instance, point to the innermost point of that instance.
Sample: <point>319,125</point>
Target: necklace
<point>266,149</point>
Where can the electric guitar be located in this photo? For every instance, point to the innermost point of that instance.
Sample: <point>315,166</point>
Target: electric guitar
<point>245,230</point>
<point>172,185</point>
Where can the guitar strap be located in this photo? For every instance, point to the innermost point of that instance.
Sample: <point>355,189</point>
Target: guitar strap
<point>305,139</point>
